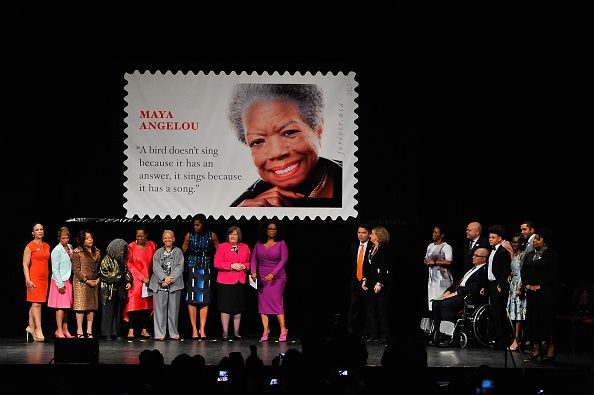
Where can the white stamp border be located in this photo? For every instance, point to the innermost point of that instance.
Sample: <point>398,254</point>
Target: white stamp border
<point>347,139</point>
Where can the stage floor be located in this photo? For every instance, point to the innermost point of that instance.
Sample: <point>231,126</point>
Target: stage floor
<point>124,352</point>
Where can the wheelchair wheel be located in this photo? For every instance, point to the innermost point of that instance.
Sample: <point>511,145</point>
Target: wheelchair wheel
<point>463,340</point>
<point>483,325</point>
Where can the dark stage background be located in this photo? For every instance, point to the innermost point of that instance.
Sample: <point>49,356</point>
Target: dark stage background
<point>452,127</point>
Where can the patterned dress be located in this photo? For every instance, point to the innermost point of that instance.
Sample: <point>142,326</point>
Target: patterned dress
<point>198,267</point>
<point>440,278</point>
<point>85,266</point>
<point>516,306</point>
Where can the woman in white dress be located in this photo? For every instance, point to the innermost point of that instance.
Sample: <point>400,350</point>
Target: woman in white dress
<point>438,258</point>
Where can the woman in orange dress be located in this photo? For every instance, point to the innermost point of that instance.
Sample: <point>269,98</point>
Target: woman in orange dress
<point>36,269</point>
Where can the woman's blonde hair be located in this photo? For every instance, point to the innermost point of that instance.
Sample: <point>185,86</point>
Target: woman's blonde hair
<point>61,231</point>
<point>383,236</point>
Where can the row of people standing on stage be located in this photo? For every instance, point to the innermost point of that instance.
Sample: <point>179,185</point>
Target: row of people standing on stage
<point>79,293</point>
<point>134,280</point>
<point>79,278</point>
<point>439,257</point>
<point>513,277</point>
<point>233,260</point>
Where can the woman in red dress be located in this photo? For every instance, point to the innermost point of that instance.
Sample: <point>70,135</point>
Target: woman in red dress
<point>36,269</point>
<point>140,263</point>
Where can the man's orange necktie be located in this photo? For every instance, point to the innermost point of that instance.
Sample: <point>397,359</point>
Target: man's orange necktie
<point>360,262</point>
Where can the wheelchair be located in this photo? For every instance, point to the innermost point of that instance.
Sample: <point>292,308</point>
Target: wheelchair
<point>474,326</point>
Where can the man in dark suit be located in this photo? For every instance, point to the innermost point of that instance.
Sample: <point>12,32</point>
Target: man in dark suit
<point>359,256</point>
<point>474,240</point>
<point>473,282</point>
<point>527,229</point>
<point>498,271</point>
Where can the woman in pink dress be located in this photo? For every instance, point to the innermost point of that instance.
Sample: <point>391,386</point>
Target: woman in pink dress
<point>36,269</point>
<point>268,262</point>
<point>140,263</point>
<point>60,294</point>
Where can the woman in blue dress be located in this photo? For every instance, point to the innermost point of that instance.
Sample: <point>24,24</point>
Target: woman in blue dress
<point>516,302</point>
<point>199,246</point>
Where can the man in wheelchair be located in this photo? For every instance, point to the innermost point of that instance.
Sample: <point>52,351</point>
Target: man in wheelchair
<point>448,305</point>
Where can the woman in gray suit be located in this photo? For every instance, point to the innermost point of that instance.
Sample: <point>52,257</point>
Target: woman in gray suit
<point>166,284</point>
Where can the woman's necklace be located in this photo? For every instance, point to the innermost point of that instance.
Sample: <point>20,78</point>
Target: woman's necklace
<point>538,253</point>
<point>270,243</point>
<point>314,193</point>
<point>373,251</point>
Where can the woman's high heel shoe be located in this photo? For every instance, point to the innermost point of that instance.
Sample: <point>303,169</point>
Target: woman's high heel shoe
<point>265,336</point>
<point>68,335</point>
<point>38,337</point>
<point>283,336</point>
<point>35,336</point>
<point>534,357</point>
<point>551,353</point>
<point>549,358</point>
<point>58,335</point>
<point>514,346</point>
<point>28,332</point>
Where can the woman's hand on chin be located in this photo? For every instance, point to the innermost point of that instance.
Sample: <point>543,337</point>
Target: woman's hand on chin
<point>274,197</point>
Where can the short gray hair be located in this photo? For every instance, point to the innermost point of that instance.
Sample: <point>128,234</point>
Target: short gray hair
<point>307,97</point>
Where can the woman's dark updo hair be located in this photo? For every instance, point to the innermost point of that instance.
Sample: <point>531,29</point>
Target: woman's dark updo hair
<point>203,221</point>
<point>546,234</point>
<point>263,231</point>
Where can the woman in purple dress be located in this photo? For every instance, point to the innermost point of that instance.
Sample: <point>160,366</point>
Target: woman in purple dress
<point>268,261</point>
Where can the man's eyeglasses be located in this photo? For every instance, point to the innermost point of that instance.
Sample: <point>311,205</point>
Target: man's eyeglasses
<point>479,256</point>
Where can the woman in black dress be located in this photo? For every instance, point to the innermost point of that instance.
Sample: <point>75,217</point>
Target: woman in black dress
<point>376,285</point>
<point>540,276</point>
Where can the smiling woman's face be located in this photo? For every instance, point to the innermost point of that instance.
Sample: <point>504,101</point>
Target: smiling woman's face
<point>284,148</point>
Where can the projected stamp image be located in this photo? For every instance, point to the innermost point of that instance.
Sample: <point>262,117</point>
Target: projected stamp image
<point>233,145</point>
